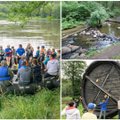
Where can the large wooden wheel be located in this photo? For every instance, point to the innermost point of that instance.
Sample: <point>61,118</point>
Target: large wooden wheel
<point>100,78</point>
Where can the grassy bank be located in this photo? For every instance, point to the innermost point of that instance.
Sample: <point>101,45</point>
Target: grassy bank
<point>43,105</point>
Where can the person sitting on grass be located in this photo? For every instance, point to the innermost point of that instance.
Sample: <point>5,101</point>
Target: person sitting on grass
<point>24,74</point>
<point>103,107</point>
<point>90,114</point>
<point>71,112</point>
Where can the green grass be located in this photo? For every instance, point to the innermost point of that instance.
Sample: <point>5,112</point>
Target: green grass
<point>43,105</point>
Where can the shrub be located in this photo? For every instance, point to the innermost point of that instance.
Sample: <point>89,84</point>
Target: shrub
<point>98,17</point>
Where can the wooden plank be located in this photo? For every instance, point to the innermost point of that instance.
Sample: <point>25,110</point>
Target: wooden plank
<point>103,83</point>
<point>101,88</point>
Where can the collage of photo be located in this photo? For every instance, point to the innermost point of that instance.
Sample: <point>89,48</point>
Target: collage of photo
<point>60,60</point>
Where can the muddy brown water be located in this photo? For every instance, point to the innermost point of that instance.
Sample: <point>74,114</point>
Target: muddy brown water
<point>36,32</point>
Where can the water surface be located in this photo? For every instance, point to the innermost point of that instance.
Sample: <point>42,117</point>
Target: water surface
<point>37,32</point>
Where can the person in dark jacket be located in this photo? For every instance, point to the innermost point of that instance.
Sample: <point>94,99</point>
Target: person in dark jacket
<point>36,70</point>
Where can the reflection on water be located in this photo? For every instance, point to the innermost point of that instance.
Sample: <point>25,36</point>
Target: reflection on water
<point>37,33</point>
<point>111,29</point>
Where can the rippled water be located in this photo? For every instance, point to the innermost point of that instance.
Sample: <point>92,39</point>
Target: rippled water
<point>38,33</point>
<point>87,41</point>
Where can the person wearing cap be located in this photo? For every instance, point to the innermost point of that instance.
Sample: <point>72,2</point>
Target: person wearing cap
<point>90,114</point>
<point>71,112</point>
<point>24,74</point>
<point>103,107</point>
<point>8,53</point>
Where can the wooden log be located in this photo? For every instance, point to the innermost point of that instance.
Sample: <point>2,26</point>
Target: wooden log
<point>111,20</point>
<point>78,31</point>
<point>115,99</point>
<point>103,83</point>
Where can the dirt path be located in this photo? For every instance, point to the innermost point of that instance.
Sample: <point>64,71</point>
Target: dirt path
<point>108,53</point>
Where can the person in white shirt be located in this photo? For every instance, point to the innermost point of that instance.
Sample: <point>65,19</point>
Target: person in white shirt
<point>52,67</point>
<point>71,112</point>
<point>90,114</point>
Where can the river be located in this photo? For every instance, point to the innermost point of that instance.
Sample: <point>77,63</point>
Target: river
<point>36,32</point>
<point>88,42</point>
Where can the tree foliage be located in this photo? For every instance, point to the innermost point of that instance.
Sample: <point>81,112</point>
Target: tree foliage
<point>73,73</point>
<point>24,10</point>
<point>91,12</point>
<point>98,17</point>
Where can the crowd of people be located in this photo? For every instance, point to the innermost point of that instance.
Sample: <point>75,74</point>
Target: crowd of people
<point>25,66</point>
<point>72,112</point>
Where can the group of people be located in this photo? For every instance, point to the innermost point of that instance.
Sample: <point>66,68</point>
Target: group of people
<point>25,66</point>
<point>72,112</point>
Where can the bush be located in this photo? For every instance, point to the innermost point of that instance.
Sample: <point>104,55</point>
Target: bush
<point>98,17</point>
<point>67,88</point>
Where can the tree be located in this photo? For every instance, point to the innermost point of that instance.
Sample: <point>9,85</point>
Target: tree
<point>73,71</point>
